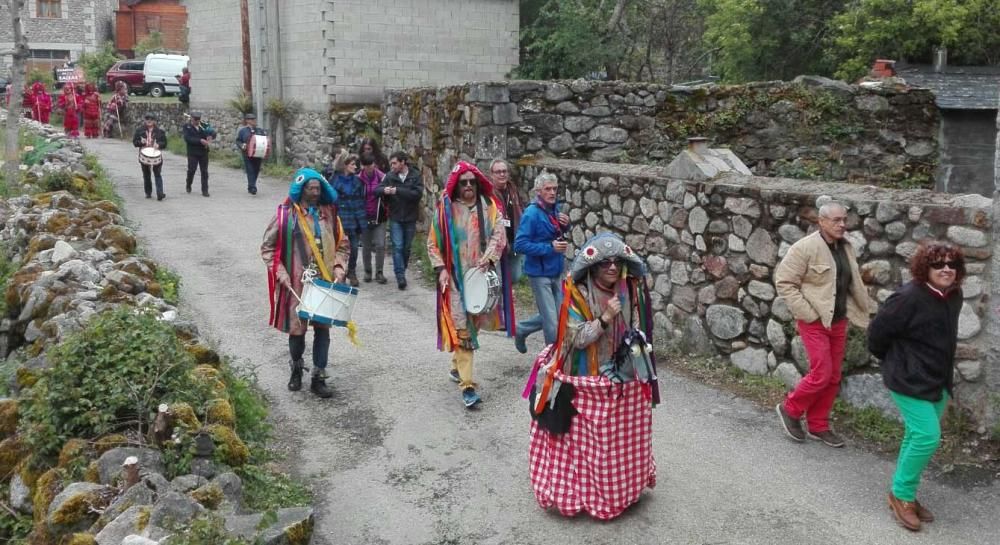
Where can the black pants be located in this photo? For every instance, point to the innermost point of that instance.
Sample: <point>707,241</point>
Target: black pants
<point>252,167</point>
<point>321,346</point>
<point>195,162</point>
<point>149,172</point>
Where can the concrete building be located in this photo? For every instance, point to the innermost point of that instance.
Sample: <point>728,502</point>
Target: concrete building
<point>58,30</point>
<point>323,52</point>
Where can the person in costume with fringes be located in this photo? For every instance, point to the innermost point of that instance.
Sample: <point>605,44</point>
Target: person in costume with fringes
<point>466,233</point>
<point>592,392</point>
<point>304,234</point>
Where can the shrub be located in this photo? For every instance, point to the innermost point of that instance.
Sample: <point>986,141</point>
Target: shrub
<point>170,283</point>
<point>241,102</point>
<point>117,370</point>
<point>44,76</point>
<point>97,63</point>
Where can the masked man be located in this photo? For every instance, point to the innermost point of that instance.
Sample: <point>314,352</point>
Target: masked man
<point>467,233</point>
<point>304,235</point>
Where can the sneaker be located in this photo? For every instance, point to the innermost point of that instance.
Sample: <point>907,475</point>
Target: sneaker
<point>905,513</point>
<point>380,278</point>
<point>470,398</point>
<point>791,425</point>
<point>828,438</point>
<point>923,513</point>
<point>368,276</point>
<point>453,375</point>
<point>519,344</point>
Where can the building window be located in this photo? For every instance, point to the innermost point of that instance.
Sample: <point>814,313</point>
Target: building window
<point>50,54</point>
<point>50,9</point>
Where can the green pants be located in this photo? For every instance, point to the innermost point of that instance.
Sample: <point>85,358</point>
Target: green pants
<point>922,436</point>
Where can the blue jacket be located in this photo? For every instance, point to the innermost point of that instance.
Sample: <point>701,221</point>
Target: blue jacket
<point>350,202</point>
<point>534,239</point>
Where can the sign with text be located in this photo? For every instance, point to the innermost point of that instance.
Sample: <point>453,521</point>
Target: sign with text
<point>69,75</point>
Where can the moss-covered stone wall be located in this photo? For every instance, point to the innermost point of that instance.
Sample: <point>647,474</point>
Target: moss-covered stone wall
<point>811,128</point>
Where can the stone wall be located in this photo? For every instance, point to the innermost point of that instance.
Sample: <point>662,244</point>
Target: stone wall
<point>712,248</point>
<point>83,26</point>
<point>812,128</point>
<point>309,140</point>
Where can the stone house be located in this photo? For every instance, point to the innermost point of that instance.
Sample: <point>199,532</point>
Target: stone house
<point>58,30</point>
<point>323,53</point>
<point>968,97</point>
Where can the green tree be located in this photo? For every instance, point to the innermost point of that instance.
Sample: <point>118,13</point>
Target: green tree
<point>909,30</point>
<point>153,43</point>
<point>97,63</point>
<point>755,40</point>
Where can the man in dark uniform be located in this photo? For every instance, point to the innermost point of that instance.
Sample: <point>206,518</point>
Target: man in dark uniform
<point>251,165</point>
<point>150,136</point>
<point>198,136</point>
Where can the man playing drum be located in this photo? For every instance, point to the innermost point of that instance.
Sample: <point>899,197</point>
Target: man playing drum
<point>150,140</point>
<point>466,234</point>
<point>304,236</point>
<point>252,157</point>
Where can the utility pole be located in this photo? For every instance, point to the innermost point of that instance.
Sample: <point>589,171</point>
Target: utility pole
<point>245,37</point>
<point>19,55</point>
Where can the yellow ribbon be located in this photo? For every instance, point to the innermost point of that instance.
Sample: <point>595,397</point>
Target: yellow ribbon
<point>304,223</point>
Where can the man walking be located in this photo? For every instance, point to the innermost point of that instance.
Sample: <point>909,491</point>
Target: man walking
<point>820,282</point>
<point>151,136</point>
<point>304,235</point>
<point>466,233</point>
<point>197,136</point>
<point>251,165</point>
<point>402,190</point>
<point>540,239</point>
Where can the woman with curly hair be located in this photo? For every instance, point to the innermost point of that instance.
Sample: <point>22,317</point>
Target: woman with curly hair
<point>915,334</point>
<point>370,146</point>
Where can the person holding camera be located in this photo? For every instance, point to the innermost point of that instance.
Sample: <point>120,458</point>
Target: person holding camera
<point>540,238</point>
<point>373,239</point>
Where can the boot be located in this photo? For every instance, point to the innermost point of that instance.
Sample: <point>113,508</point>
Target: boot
<point>319,386</point>
<point>295,382</point>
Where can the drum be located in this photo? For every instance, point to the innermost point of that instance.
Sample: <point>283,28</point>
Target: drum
<point>327,303</point>
<point>258,147</point>
<point>150,156</point>
<point>481,290</point>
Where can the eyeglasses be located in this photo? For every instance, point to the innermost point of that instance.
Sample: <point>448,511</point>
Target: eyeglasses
<point>467,183</point>
<point>953,265</point>
<point>607,263</point>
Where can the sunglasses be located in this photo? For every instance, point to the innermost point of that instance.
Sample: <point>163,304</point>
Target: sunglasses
<point>953,265</point>
<point>467,183</point>
<point>607,263</point>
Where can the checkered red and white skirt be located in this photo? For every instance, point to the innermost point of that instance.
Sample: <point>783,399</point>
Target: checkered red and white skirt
<point>605,460</point>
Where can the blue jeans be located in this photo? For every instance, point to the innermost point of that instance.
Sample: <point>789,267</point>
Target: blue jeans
<point>354,236</point>
<point>401,233</point>
<point>548,297</point>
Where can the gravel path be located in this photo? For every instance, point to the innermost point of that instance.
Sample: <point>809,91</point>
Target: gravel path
<point>397,460</point>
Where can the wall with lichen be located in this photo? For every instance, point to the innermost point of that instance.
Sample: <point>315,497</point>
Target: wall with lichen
<point>812,128</point>
<point>712,247</point>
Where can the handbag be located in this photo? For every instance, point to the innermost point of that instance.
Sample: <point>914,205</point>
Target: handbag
<point>556,418</point>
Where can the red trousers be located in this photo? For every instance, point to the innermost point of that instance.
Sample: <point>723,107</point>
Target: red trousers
<point>816,392</point>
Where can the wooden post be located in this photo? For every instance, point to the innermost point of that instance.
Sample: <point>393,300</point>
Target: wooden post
<point>245,37</point>
<point>12,152</point>
<point>131,467</point>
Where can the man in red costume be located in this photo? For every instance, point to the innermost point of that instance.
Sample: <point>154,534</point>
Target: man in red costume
<point>41,102</point>
<point>69,106</point>
<point>91,112</point>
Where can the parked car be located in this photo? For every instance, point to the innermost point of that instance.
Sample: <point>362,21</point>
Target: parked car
<point>160,73</point>
<point>130,72</point>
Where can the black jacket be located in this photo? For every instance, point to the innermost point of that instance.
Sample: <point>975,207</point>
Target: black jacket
<point>915,334</point>
<point>405,204</point>
<point>158,135</point>
<point>193,137</point>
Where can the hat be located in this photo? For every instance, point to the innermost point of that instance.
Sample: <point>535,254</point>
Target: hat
<point>195,115</point>
<point>249,115</point>
<point>149,115</point>
<point>604,246</point>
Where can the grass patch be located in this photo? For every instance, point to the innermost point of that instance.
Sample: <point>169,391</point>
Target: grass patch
<point>278,170</point>
<point>419,251</point>
<point>869,424</point>
<point>265,488</point>
<point>8,267</point>
<point>170,283</point>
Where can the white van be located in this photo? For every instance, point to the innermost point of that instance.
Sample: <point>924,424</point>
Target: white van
<point>160,72</point>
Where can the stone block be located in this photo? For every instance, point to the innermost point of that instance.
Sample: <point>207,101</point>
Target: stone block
<point>751,360</point>
<point>725,322</point>
<point>488,92</point>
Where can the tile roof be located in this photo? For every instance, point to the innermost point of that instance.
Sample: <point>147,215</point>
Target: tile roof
<point>957,87</point>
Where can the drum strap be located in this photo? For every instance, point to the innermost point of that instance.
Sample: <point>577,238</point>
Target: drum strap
<point>308,232</point>
<point>482,226</point>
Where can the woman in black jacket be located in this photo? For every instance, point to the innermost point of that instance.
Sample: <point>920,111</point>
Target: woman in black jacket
<point>915,334</point>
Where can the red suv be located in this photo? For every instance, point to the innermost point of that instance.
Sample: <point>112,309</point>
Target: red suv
<point>130,72</point>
